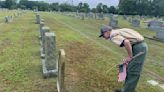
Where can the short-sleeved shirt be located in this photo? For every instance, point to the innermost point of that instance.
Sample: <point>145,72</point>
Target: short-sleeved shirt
<point>119,35</point>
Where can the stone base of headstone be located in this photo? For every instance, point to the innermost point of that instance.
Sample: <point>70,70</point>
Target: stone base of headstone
<point>48,73</point>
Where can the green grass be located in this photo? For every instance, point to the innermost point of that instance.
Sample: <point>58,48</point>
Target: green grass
<point>20,66</point>
<point>100,59</point>
<point>88,58</point>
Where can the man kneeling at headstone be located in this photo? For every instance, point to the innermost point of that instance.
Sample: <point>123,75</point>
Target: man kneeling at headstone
<point>134,44</point>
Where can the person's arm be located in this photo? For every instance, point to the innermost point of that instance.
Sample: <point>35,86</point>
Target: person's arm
<point>128,48</point>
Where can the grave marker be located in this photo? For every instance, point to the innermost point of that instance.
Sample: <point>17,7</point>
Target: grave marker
<point>135,23</point>
<point>49,64</point>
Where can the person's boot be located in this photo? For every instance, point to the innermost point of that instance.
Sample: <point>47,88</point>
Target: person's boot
<point>117,90</point>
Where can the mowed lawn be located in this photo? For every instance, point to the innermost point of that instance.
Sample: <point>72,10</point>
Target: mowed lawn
<point>89,59</point>
<point>20,65</point>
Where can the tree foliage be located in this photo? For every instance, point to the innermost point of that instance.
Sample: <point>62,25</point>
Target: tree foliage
<point>142,7</point>
<point>132,7</point>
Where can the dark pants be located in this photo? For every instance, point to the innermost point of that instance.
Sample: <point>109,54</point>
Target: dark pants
<point>135,67</point>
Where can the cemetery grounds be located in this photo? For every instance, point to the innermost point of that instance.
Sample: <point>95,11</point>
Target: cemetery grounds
<point>88,58</point>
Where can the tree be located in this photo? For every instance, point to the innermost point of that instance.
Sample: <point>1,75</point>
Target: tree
<point>2,4</point>
<point>112,9</point>
<point>105,8</point>
<point>93,10</point>
<point>10,4</point>
<point>54,6</point>
<point>66,7</point>
<point>99,8</point>
<point>83,7</point>
<point>142,7</point>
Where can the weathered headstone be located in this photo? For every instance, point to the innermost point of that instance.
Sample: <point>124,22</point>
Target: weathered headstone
<point>130,20</point>
<point>125,17</point>
<point>95,15</point>
<point>43,31</point>
<point>113,23</point>
<point>61,70</point>
<point>77,13</point>
<point>50,61</point>
<point>160,35</point>
<point>111,16</point>
<point>101,16</point>
<point>156,25</point>
<point>50,51</point>
<point>6,19</point>
<point>91,15</point>
<point>82,16</point>
<point>135,23</point>
<point>38,19</point>
<point>40,28</point>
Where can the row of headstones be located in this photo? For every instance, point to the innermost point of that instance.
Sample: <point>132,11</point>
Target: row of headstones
<point>135,22</point>
<point>52,61</point>
<point>83,16</point>
<point>113,22</point>
<point>48,48</point>
<point>9,19</point>
<point>152,25</point>
<point>99,16</point>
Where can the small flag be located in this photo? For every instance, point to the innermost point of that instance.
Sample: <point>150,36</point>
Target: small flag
<point>122,72</point>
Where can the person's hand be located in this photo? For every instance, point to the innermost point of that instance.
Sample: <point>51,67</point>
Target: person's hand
<point>127,60</point>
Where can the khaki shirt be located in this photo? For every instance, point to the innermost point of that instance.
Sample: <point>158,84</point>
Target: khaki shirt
<point>119,35</point>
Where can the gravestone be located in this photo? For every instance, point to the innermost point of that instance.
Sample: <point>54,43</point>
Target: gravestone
<point>111,16</point>
<point>125,17</point>
<point>6,19</point>
<point>50,51</point>
<point>38,18</point>
<point>61,71</point>
<point>82,16</point>
<point>113,23</point>
<point>160,35</point>
<point>95,15</point>
<point>156,25</point>
<point>101,16</point>
<point>49,64</point>
<point>42,42</point>
<point>91,15</point>
<point>130,20</point>
<point>77,13</point>
<point>40,28</point>
<point>135,23</point>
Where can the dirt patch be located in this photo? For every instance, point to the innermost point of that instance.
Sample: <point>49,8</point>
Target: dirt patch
<point>77,53</point>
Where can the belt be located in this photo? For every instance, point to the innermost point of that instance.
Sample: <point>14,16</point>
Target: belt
<point>137,43</point>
